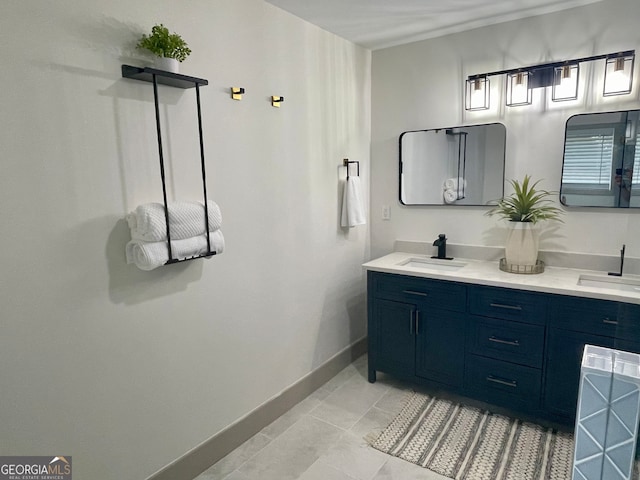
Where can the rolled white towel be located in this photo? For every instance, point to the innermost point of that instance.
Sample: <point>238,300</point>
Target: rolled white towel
<point>150,255</point>
<point>186,219</point>
<point>450,196</point>
<point>453,183</point>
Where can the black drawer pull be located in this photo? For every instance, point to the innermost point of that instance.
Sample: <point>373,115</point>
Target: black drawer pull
<point>609,322</point>
<point>508,383</point>
<point>412,292</point>
<point>508,307</point>
<point>515,343</point>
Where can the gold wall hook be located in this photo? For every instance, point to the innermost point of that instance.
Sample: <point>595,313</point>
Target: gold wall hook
<point>275,101</point>
<point>236,93</point>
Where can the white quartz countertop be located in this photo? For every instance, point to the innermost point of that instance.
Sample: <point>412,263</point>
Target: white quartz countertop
<point>558,280</point>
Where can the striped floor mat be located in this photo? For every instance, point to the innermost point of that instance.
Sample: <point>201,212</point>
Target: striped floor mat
<point>463,442</point>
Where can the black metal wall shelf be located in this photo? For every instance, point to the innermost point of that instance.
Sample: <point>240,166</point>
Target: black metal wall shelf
<point>163,77</point>
<point>155,76</point>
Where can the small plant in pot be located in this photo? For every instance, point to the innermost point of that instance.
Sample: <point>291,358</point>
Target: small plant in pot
<point>524,208</point>
<point>169,48</point>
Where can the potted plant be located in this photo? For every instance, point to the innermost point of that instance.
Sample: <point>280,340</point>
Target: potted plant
<point>169,48</point>
<point>524,208</point>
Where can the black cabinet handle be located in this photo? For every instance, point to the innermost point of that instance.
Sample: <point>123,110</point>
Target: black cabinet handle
<point>508,383</point>
<point>508,307</point>
<point>413,292</point>
<point>609,322</point>
<point>514,343</point>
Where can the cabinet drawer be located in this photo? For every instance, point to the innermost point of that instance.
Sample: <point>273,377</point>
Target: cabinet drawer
<point>444,295</point>
<point>507,304</point>
<point>502,383</point>
<point>598,317</point>
<point>509,341</point>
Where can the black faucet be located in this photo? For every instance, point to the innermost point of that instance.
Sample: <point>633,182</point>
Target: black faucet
<point>441,243</point>
<point>616,274</point>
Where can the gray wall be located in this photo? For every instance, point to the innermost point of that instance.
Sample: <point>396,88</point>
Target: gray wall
<point>127,370</point>
<point>421,86</point>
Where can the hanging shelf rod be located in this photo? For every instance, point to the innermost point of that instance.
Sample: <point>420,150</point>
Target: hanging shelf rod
<point>155,76</point>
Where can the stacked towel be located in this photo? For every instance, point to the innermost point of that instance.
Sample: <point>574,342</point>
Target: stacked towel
<point>150,255</point>
<point>450,196</point>
<point>455,183</point>
<point>453,189</point>
<point>186,219</point>
<point>148,247</point>
<point>352,206</point>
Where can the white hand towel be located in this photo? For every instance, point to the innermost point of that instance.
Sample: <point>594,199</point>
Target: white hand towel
<point>150,255</point>
<point>453,183</point>
<point>352,206</point>
<point>186,219</point>
<point>450,196</point>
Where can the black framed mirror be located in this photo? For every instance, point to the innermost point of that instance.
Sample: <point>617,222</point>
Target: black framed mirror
<point>601,165</point>
<point>453,166</point>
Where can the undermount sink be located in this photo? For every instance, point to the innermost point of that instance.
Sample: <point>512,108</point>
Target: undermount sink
<point>610,282</point>
<point>433,264</point>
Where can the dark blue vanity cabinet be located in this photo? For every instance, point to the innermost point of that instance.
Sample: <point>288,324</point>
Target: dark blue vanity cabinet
<point>574,322</point>
<point>513,348</point>
<point>416,328</point>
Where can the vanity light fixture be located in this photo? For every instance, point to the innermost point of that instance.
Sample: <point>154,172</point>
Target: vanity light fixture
<point>561,76</point>
<point>477,93</point>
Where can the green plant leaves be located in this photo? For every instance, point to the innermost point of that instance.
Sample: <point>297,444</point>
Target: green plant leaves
<point>526,204</point>
<point>165,44</point>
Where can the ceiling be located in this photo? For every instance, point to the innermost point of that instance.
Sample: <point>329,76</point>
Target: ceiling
<point>376,24</point>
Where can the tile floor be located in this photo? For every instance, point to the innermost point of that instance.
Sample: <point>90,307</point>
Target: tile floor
<point>322,438</point>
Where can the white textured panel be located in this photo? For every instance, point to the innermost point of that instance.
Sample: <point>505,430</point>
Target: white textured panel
<point>593,411</point>
<point>606,438</point>
<point>623,417</point>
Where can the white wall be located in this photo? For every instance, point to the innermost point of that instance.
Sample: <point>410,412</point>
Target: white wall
<point>127,370</point>
<point>421,86</point>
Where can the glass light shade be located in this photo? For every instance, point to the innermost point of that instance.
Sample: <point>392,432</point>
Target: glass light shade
<point>618,75</point>
<point>518,89</point>
<point>565,83</point>
<point>477,94</point>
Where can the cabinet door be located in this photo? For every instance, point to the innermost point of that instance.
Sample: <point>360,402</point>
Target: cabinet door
<point>393,337</point>
<point>564,356</point>
<point>440,345</point>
